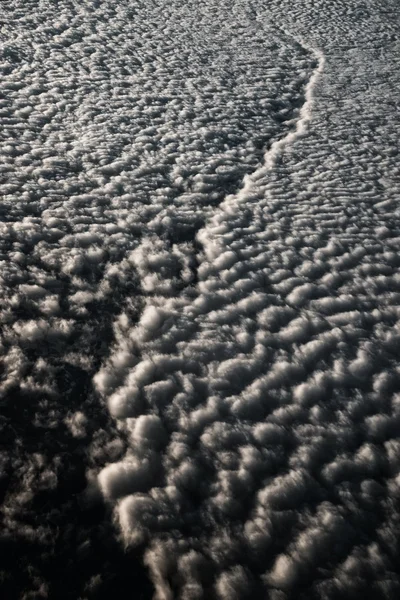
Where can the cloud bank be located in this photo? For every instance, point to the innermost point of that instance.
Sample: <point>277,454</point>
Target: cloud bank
<point>199,284</point>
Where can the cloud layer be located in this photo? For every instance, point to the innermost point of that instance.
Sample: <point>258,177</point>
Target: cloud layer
<point>199,280</point>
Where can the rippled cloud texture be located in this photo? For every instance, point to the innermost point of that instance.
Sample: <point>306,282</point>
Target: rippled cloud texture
<point>200,291</point>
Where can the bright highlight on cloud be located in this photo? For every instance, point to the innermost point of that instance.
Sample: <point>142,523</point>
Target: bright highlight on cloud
<point>199,300</point>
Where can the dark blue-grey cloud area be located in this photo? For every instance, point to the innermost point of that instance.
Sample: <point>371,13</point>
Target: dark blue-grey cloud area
<point>199,246</point>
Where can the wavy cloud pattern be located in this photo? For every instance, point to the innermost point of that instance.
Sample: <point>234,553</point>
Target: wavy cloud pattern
<point>199,281</point>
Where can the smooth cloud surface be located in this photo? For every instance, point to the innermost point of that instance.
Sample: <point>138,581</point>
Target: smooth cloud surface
<point>200,298</point>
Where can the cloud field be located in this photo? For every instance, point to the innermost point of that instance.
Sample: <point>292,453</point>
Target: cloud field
<point>200,300</point>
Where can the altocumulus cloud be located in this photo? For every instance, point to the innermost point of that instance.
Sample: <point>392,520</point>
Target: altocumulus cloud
<point>200,289</point>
